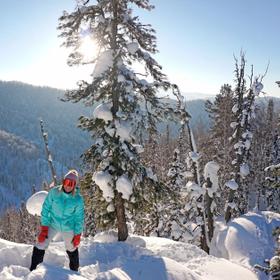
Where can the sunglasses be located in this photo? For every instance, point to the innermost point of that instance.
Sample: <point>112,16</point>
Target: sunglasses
<point>69,183</point>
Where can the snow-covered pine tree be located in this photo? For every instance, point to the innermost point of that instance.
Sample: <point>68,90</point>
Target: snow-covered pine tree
<point>211,192</point>
<point>170,209</point>
<point>89,191</point>
<point>127,99</point>
<point>275,168</point>
<point>202,192</point>
<point>183,142</point>
<point>259,161</point>
<point>192,193</point>
<point>166,146</point>
<point>18,225</point>
<point>28,225</point>
<point>150,155</point>
<point>177,168</point>
<point>272,186</point>
<point>264,154</point>
<point>243,110</point>
<point>276,142</point>
<point>158,153</point>
<point>8,226</point>
<point>175,174</point>
<point>171,213</point>
<point>217,146</point>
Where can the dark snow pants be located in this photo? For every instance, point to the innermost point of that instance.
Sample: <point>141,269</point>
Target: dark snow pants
<point>38,257</point>
<point>73,259</point>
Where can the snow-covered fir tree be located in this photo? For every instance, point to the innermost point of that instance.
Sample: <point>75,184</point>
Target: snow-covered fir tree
<point>176,177</point>
<point>18,225</point>
<point>272,170</point>
<point>263,156</point>
<point>211,193</point>
<point>127,98</point>
<point>157,154</point>
<point>150,156</point>
<point>217,145</point>
<point>258,160</point>
<point>177,170</point>
<point>244,112</point>
<point>171,209</point>
<point>192,193</point>
<point>201,194</point>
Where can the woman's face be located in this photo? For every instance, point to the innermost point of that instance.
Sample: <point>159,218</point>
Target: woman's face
<point>69,185</point>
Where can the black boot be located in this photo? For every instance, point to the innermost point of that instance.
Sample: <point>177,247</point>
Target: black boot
<point>74,259</point>
<point>37,257</point>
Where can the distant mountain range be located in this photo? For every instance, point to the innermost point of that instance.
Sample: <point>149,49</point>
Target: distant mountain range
<point>197,95</point>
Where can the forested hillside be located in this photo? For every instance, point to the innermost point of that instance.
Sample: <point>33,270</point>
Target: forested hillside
<point>21,143</point>
<point>23,162</point>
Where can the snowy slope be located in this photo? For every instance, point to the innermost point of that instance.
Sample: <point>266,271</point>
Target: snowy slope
<point>246,240</point>
<point>142,258</point>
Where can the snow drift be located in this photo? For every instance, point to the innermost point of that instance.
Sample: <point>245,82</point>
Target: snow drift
<point>102,257</point>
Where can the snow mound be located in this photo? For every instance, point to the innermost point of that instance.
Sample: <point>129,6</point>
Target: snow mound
<point>246,240</point>
<point>35,202</point>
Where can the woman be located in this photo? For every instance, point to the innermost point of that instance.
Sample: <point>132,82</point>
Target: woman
<point>62,212</point>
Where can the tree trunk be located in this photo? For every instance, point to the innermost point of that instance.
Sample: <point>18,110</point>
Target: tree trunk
<point>209,215</point>
<point>228,210</point>
<point>48,153</point>
<point>203,239</point>
<point>119,202</point>
<point>121,220</point>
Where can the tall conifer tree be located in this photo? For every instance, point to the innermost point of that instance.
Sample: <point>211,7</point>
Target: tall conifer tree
<point>244,112</point>
<point>127,98</point>
<point>218,145</point>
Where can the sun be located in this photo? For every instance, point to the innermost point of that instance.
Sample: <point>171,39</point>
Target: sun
<point>88,48</point>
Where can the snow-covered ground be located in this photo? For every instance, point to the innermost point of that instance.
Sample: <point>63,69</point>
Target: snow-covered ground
<point>145,258</point>
<point>246,241</point>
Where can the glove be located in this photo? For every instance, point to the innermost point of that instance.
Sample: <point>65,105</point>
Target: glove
<point>43,234</point>
<point>76,240</point>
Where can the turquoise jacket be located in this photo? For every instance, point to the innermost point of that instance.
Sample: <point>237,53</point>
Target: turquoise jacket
<point>63,212</point>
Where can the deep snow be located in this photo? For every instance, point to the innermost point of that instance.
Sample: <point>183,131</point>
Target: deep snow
<point>246,240</point>
<point>235,249</point>
<point>143,258</point>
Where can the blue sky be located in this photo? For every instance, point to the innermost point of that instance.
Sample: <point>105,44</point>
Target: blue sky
<point>196,40</point>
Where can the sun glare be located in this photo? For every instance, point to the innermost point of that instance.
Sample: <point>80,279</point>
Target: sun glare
<point>88,48</point>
